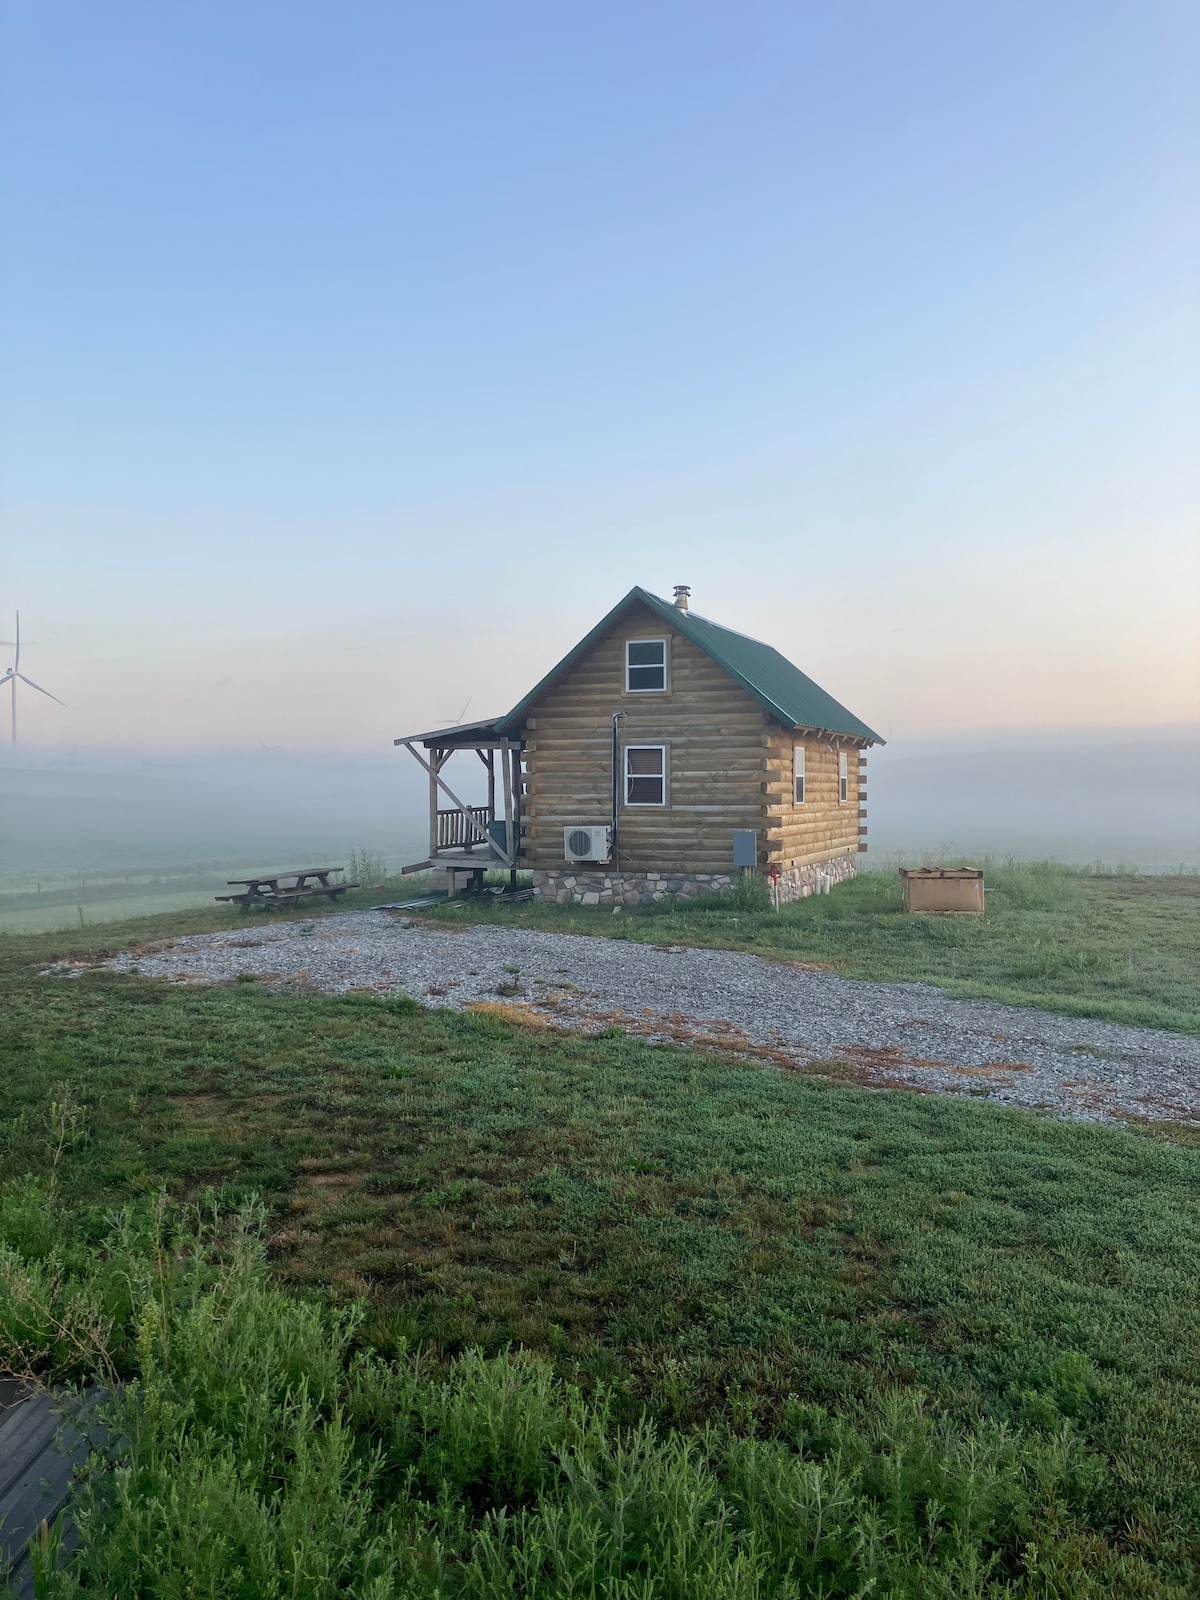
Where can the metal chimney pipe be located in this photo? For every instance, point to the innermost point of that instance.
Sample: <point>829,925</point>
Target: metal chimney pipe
<point>682,591</point>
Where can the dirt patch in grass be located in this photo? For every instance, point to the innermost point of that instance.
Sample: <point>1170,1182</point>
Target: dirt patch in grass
<point>523,1016</point>
<point>200,1105</point>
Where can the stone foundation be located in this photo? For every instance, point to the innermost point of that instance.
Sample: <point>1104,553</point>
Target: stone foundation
<point>598,886</point>
<point>601,886</point>
<point>797,883</point>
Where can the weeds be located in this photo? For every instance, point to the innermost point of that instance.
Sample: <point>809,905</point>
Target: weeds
<point>1018,885</point>
<point>263,1453</point>
<point>748,893</point>
<point>366,868</point>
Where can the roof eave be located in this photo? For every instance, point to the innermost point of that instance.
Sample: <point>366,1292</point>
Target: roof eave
<point>833,733</point>
<point>573,655</point>
<point>665,609</point>
<point>672,615</point>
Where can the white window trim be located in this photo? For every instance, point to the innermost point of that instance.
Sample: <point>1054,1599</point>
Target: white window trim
<point>843,777</point>
<point>638,805</point>
<point>799,791</point>
<point>666,666</point>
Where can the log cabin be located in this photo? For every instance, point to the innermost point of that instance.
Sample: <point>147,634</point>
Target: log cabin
<point>664,754</point>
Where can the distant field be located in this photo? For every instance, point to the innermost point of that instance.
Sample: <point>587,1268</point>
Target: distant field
<point>43,905</point>
<point>49,904</point>
<point>46,919</point>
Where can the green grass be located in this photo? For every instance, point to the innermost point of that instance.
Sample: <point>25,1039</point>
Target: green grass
<point>107,903</point>
<point>972,1335</point>
<point>261,1454</point>
<point>1118,946</point>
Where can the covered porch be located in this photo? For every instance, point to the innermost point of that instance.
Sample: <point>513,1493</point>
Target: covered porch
<point>465,838</point>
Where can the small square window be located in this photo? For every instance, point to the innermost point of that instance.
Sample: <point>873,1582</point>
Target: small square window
<point>645,775</point>
<point>645,665</point>
<point>799,774</point>
<point>843,776</point>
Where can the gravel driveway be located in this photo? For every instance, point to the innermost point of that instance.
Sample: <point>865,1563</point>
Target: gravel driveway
<point>897,1035</point>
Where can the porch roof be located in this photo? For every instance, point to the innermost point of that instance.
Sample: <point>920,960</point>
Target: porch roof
<point>470,735</point>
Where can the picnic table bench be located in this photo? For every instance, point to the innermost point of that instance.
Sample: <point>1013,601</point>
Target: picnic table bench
<point>282,888</point>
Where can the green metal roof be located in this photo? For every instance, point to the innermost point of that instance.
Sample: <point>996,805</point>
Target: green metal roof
<point>775,683</point>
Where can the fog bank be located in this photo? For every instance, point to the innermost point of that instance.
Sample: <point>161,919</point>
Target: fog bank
<point>1132,800</point>
<point>1128,799</point>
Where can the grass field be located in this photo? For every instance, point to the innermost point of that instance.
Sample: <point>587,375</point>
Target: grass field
<point>33,904</point>
<point>782,1336</point>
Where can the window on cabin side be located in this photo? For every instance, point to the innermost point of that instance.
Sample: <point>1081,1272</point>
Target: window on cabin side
<point>645,775</point>
<point>843,777</point>
<point>645,665</point>
<point>798,756</point>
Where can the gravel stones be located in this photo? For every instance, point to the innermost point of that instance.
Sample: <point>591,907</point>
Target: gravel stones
<point>897,1035</point>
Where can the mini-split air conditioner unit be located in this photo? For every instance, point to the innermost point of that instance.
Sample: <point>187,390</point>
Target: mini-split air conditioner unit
<point>587,843</point>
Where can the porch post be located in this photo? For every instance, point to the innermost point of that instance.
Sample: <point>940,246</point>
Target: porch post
<point>435,762</point>
<point>517,806</point>
<point>510,841</point>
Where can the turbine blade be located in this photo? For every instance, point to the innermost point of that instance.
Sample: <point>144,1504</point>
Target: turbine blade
<point>17,645</point>
<point>38,687</point>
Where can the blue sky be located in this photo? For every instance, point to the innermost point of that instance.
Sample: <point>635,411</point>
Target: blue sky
<point>357,357</point>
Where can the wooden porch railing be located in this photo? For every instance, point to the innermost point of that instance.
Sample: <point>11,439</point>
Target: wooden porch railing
<point>455,833</point>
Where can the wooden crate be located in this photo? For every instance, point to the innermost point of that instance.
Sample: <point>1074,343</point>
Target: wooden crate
<point>943,889</point>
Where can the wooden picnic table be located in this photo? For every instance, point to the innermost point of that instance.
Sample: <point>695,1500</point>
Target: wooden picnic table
<point>281,888</point>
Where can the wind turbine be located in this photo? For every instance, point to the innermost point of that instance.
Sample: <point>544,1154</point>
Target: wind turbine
<point>458,721</point>
<point>15,675</point>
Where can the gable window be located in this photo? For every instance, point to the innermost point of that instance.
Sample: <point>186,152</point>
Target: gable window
<point>645,665</point>
<point>799,774</point>
<point>843,777</point>
<point>645,775</point>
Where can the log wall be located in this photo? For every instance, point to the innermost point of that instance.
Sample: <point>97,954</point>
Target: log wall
<point>823,826</point>
<point>723,766</point>
<point>716,736</point>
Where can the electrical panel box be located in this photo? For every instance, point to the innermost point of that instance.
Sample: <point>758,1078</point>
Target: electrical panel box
<point>745,847</point>
<point>497,833</point>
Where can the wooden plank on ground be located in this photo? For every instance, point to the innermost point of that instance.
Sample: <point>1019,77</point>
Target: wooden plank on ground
<point>39,1451</point>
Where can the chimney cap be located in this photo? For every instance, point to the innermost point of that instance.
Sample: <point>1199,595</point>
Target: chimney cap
<point>682,592</point>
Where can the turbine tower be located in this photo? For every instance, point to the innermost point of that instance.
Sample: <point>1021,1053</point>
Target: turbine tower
<point>14,675</point>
